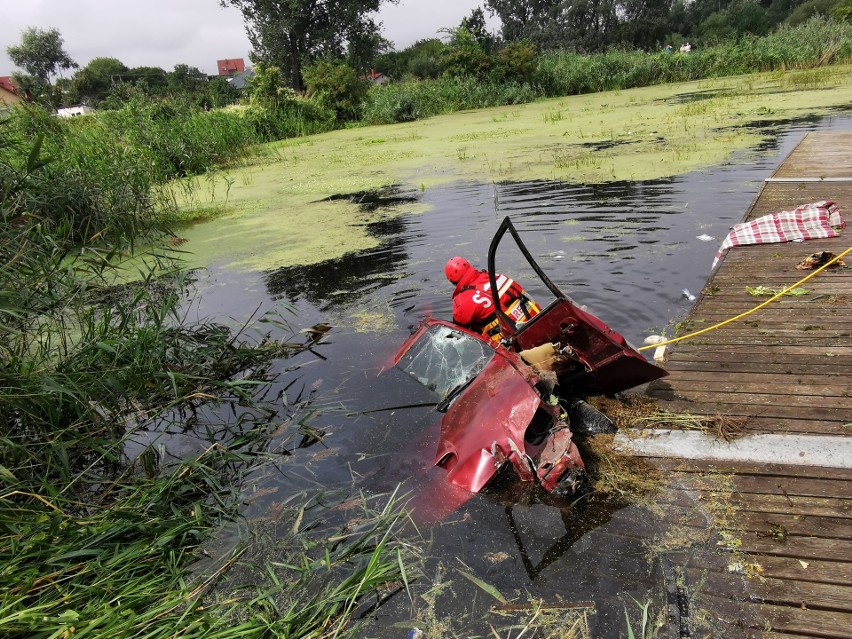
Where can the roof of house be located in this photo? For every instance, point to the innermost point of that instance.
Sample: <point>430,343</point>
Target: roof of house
<point>8,98</point>
<point>241,80</point>
<point>230,66</point>
<point>8,83</point>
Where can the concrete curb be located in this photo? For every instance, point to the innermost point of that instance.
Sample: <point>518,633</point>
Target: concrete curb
<point>801,450</point>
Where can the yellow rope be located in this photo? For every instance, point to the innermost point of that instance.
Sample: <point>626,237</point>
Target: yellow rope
<point>756,308</point>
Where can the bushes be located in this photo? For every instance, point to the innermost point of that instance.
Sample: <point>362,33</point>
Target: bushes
<point>290,120</point>
<point>411,100</point>
<point>517,61</point>
<point>336,87</point>
<point>103,167</point>
<point>90,184</point>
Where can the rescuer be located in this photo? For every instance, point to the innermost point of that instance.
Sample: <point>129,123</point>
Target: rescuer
<point>473,303</point>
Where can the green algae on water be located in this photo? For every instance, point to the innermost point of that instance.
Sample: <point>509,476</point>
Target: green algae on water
<point>281,215</point>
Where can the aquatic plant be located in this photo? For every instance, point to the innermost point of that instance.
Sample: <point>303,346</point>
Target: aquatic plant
<point>100,522</point>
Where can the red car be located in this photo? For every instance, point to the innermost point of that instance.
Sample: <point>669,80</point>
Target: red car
<point>497,408</point>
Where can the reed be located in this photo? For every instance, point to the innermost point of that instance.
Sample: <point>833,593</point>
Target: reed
<point>98,537</point>
<point>816,43</point>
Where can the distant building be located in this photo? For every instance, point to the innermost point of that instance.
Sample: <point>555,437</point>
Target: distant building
<point>74,111</point>
<point>376,77</point>
<point>230,67</point>
<point>241,80</point>
<point>8,92</point>
<point>8,83</point>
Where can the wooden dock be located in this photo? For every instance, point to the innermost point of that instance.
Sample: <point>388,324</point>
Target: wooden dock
<point>785,566</point>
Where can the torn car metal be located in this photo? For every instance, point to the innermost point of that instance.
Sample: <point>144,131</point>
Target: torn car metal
<point>498,401</point>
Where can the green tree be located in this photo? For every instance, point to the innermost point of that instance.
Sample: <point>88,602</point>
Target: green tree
<point>523,18</point>
<point>336,86</point>
<point>219,93</point>
<point>842,11</point>
<point>287,33</point>
<point>644,24</point>
<point>186,79</point>
<point>810,8</point>
<point>739,18</point>
<point>154,79</point>
<point>516,61</point>
<point>42,56</point>
<point>475,23</point>
<point>421,59</point>
<point>268,86</point>
<point>94,81</point>
<point>464,55</point>
<point>362,49</point>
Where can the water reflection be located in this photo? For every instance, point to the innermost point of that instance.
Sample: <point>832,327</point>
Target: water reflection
<point>625,249</point>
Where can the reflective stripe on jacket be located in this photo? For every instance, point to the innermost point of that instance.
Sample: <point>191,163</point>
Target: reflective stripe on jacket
<point>473,303</point>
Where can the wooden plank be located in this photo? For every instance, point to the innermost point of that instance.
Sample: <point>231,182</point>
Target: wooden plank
<point>789,485</point>
<point>784,385</point>
<point>782,528</point>
<point>754,620</point>
<point>813,623</point>
<point>767,352</point>
<point>769,342</point>
<point>682,352</point>
<point>771,503</point>
<point>833,572</point>
<point>803,506</point>
<point>791,525</point>
<point>755,399</point>
<point>683,366</point>
<point>799,594</point>
<point>817,420</point>
<point>807,329</point>
<point>703,467</point>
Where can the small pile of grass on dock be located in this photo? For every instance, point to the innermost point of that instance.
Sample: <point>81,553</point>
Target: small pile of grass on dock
<point>633,412</point>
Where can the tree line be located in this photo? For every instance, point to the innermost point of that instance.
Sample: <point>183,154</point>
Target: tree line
<point>105,82</point>
<point>296,33</point>
<point>324,48</point>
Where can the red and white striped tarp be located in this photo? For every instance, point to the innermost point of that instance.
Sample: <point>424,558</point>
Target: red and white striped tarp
<point>807,222</point>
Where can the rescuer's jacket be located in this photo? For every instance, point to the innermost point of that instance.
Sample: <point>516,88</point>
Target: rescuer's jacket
<point>473,304</point>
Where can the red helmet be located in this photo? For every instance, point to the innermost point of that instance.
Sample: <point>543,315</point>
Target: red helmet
<point>455,269</point>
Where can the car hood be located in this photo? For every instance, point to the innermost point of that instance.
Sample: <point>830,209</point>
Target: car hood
<point>494,410</point>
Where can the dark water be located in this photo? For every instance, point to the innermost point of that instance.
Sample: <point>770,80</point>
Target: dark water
<point>627,250</point>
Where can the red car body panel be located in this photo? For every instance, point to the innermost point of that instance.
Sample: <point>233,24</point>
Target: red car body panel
<point>488,424</point>
<point>497,411</point>
<point>608,363</point>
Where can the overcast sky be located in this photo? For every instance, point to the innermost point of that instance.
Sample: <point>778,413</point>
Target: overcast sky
<point>163,33</point>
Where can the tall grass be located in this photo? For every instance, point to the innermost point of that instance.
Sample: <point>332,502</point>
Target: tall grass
<point>815,43</point>
<point>417,99</point>
<point>96,540</point>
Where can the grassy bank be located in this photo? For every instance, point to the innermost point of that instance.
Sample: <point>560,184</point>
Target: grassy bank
<point>100,520</point>
<point>816,43</point>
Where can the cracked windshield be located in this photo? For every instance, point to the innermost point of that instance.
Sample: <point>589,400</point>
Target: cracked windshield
<point>445,359</point>
<point>254,383</point>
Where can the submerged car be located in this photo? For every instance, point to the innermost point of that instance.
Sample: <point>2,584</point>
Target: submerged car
<point>515,402</point>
